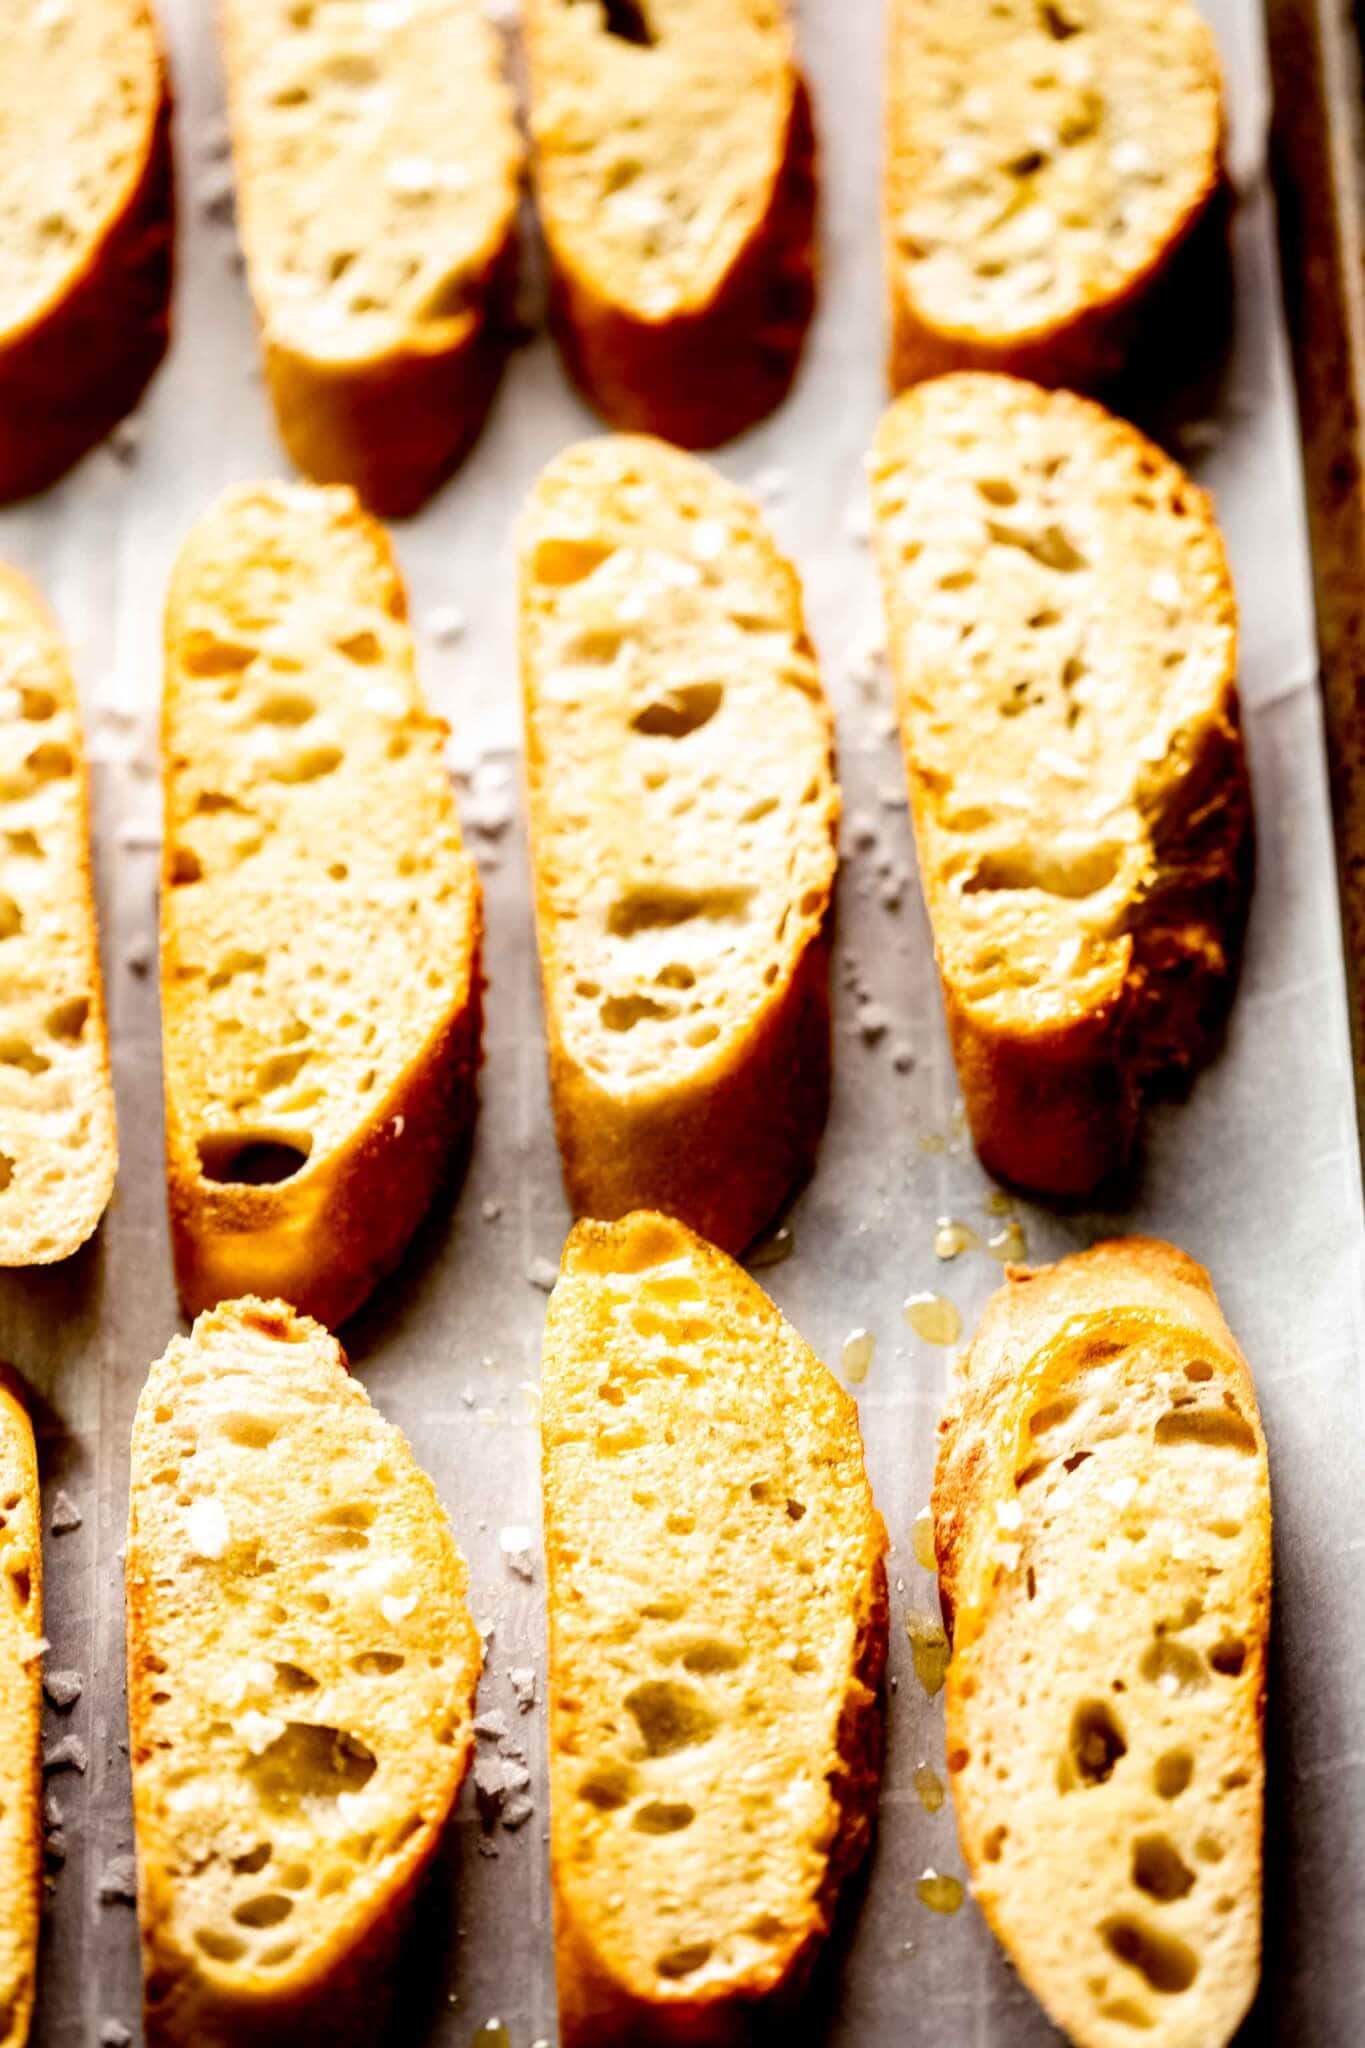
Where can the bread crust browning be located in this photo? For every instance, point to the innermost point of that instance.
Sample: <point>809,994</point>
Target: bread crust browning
<point>1104,333</point>
<point>1055,1078</point>
<point>604,2001</point>
<point>339,1991</point>
<point>324,1236</point>
<point>21,1717</point>
<point>702,377</point>
<point>1042,1341</point>
<point>81,362</point>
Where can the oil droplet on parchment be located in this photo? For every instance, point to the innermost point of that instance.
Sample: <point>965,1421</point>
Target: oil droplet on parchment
<point>932,1141</point>
<point>859,1345</point>
<point>772,1250</point>
<point>929,1785</point>
<point>922,1538</point>
<point>952,1238</point>
<point>928,1650</point>
<point>998,1203</point>
<point>940,1892</point>
<point>1008,1244</point>
<point>492,2034</point>
<point>934,1318</point>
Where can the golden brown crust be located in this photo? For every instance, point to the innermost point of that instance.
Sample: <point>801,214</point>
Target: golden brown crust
<point>1091,345</point>
<point>21,1714</point>
<point>339,1990</point>
<point>70,373</point>
<point>1055,1078</point>
<point>609,1996</point>
<point>50,1220</point>
<point>324,1236</point>
<point>1045,1342</point>
<point>700,378</point>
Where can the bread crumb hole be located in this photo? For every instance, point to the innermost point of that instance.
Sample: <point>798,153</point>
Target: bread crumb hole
<point>670,1716</point>
<point>711,1655</point>
<point>35,703</point>
<point>1172,1772</point>
<point>287,707</point>
<point>248,1432</point>
<point>997,490</point>
<point>1097,1742</point>
<point>663,1817</point>
<point>703,1034</point>
<point>627,20</point>
<point>293,1678</point>
<point>11,918</point>
<point>1223,1429</point>
<point>185,866</point>
<point>1199,1369</point>
<point>256,1159</point>
<point>1228,1658</point>
<point>309,764</point>
<point>362,648</point>
<point>222,1948</point>
<point>377,1663</point>
<point>1127,2013</point>
<point>1159,1869</point>
<point>563,560</point>
<point>253,1860</point>
<point>21,1584</point>
<point>6,1171</point>
<point>1176,1670</point>
<point>17,1052</point>
<point>308,1763</point>
<point>206,655</point>
<point>608,1787</point>
<point>1168,1965</point>
<point>662,909</point>
<point>26,843</point>
<point>994,1844</point>
<point>266,1911</point>
<point>1209,1849</point>
<point>680,711</point>
<point>683,1960</point>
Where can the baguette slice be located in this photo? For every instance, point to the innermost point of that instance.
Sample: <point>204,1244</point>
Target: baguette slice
<point>1047,161</point>
<point>58,1144</point>
<point>683,812</point>
<point>21,1716</point>
<point>301,1675</point>
<point>87,203</point>
<point>320,922</point>
<point>1102,1522</point>
<point>718,1617</point>
<point>378,168</point>
<point>674,167</point>
<point>1063,639</point>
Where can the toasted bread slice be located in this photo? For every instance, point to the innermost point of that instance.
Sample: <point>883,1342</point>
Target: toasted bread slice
<point>378,168</point>
<point>320,920</point>
<point>1047,161</point>
<point>683,812</point>
<point>21,1716</point>
<point>301,1675</point>
<point>1102,1522</point>
<point>58,1144</point>
<point>718,1615</point>
<point>1063,638</point>
<point>674,170</point>
<point>86,204</point>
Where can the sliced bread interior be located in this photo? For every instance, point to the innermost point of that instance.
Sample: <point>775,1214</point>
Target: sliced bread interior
<point>1102,1522</point>
<point>58,1146</point>
<point>673,167</point>
<point>21,1716</point>
<point>1063,639</point>
<point>378,165</point>
<point>85,206</point>
<point>683,811</point>
<point>717,1606</point>
<point>1045,161</point>
<point>320,917</point>
<point>301,1675</point>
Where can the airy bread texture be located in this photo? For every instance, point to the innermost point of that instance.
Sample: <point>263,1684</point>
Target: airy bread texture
<point>85,227</point>
<point>320,920</point>
<point>378,168</point>
<point>21,1716</point>
<point>301,1675</point>
<point>1063,638</point>
<point>1046,161</point>
<point>1102,1521</point>
<point>674,171</point>
<point>718,1617</point>
<point>58,1144</point>
<point>683,812</point>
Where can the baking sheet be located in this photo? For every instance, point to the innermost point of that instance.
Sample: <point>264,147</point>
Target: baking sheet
<point>1258,1174</point>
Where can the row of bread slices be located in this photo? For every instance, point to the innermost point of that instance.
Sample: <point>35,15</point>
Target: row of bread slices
<point>1046,163</point>
<point>1062,634</point>
<point>302,1664</point>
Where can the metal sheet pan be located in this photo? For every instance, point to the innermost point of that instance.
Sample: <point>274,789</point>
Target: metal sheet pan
<point>1258,1173</point>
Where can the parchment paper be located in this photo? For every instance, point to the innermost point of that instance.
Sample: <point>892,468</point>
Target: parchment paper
<point>1257,1174</point>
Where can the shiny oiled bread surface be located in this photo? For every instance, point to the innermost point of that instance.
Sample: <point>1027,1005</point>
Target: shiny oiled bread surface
<point>718,1613</point>
<point>1102,1521</point>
